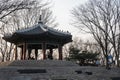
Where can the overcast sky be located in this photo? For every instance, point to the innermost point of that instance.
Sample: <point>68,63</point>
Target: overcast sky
<point>62,10</point>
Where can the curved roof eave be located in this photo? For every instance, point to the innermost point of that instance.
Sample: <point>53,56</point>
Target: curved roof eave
<point>41,28</point>
<point>58,32</point>
<point>37,29</point>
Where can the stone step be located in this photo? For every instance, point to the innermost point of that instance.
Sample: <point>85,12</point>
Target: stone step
<point>42,63</point>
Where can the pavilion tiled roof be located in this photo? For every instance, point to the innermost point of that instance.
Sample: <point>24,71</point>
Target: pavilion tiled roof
<point>41,28</point>
<point>38,32</point>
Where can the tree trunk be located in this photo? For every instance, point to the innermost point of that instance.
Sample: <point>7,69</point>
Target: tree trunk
<point>118,62</point>
<point>107,65</point>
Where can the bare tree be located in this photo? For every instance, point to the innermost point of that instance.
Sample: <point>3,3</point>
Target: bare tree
<point>101,18</point>
<point>22,19</point>
<point>9,6</point>
<point>30,17</point>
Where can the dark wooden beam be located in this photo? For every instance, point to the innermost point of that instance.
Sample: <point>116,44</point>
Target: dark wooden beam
<point>29,53</point>
<point>60,51</point>
<point>44,50</point>
<point>16,54</point>
<point>24,51</point>
<point>36,54</point>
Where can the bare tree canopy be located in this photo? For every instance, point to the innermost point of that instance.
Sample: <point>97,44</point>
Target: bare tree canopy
<point>101,18</point>
<point>9,6</point>
<point>27,15</point>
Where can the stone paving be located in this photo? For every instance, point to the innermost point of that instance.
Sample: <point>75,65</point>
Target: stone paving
<point>54,70</point>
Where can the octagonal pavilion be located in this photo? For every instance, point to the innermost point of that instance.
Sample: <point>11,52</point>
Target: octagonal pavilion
<point>38,37</point>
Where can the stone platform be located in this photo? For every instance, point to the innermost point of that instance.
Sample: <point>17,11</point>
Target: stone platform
<point>54,70</point>
<point>39,70</point>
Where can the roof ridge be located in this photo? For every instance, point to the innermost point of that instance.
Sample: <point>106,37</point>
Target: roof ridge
<point>27,29</point>
<point>43,27</point>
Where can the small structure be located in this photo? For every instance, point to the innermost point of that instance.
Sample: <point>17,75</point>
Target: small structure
<point>37,37</point>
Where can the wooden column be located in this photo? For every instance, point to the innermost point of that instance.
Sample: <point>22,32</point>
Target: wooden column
<point>50,56</point>
<point>24,51</point>
<point>29,53</point>
<point>60,51</point>
<point>16,55</point>
<point>51,53</point>
<point>44,50</point>
<point>36,54</point>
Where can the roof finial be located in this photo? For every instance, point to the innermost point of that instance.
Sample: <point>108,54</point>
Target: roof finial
<point>40,19</point>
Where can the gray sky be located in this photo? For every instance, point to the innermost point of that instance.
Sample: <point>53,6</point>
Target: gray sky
<point>62,10</point>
